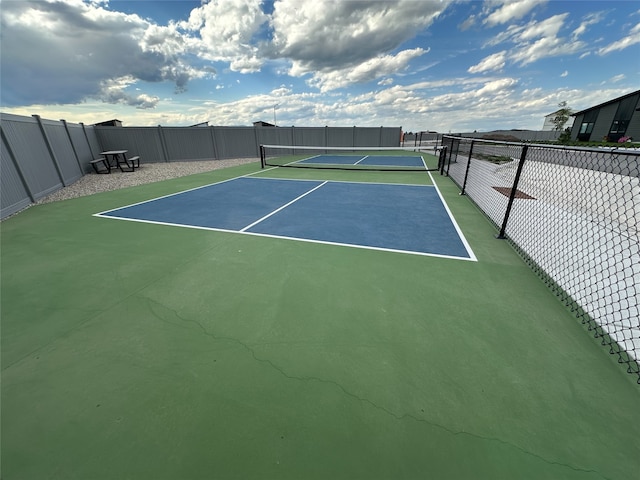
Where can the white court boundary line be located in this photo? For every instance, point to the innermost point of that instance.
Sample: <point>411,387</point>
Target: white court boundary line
<point>298,239</point>
<point>283,206</point>
<point>101,214</point>
<point>453,221</point>
<point>243,231</point>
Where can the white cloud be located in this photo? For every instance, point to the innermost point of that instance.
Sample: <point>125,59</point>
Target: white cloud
<point>510,10</point>
<point>366,71</point>
<point>565,74</point>
<point>451,104</point>
<point>227,29</point>
<point>325,36</point>
<point>493,62</point>
<point>113,91</point>
<point>468,23</point>
<point>616,78</point>
<point>632,38</point>
<point>67,52</point>
<point>534,41</point>
<point>590,19</point>
<point>545,28</point>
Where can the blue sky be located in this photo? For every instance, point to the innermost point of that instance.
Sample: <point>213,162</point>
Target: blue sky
<point>444,65</point>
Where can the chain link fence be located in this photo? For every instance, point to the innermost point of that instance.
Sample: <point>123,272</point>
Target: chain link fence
<point>573,215</point>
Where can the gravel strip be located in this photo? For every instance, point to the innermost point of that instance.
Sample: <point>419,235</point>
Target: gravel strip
<point>147,173</point>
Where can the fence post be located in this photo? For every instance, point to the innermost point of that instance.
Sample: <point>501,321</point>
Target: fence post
<point>73,147</point>
<point>442,158</point>
<point>457,147</point>
<point>86,136</point>
<point>466,172</point>
<point>213,142</point>
<point>163,144</point>
<point>16,164</point>
<point>255,139</point>
<point>52,154</point>
<point>447,150</point>
<point>516,180</point>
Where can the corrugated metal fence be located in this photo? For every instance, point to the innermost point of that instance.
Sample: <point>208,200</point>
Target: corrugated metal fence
<point>41,156</point>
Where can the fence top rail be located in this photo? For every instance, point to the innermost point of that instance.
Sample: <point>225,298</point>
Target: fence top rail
<point>620,150</point>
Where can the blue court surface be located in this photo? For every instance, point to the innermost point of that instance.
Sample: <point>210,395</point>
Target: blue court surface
<point>371,160</point>
<point>402,218</point>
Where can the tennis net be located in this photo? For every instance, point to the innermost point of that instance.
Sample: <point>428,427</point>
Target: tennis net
<point>346,158</point>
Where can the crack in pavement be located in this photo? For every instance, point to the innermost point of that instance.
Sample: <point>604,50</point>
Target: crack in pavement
<point>403,416</point>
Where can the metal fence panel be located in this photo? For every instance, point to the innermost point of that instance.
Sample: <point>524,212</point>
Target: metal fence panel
<point>236,142</point>
<point>310,136</point>
<point>366,137</point>
<point>264,136</point>
<point>63,151</point>
<point>340,137</point>
<point>25,139</point>
<point>49,154</point>
<point>145,142</point>
<point>195,143</point>
<point>91,134</point>
<point>390,137</point>
<point>13,194</point>
<point>155,144</point>
<point>81,146</point>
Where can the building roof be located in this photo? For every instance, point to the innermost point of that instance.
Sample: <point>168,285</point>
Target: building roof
<point>550,114</point>
<point>606,103</point>
<point>109,123</point>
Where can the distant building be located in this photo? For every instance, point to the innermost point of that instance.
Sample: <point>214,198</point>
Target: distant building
<point>549,125</point>
<point>109,123</point>
<point>263,124</point>
<point>611,120</point>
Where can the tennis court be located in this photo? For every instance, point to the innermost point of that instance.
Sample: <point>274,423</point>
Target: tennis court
<point>262,323</point>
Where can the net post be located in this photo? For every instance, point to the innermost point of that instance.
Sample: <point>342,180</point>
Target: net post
<point>457,147</point>
<point>442,158</point>
<point>262,157</point>
<point>466,173</point>
<point>512,196</point>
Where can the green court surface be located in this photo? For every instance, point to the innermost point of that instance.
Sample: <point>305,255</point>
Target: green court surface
<point>141,351</point>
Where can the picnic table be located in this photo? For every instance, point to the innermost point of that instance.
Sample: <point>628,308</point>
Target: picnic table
<point>115,158</point>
